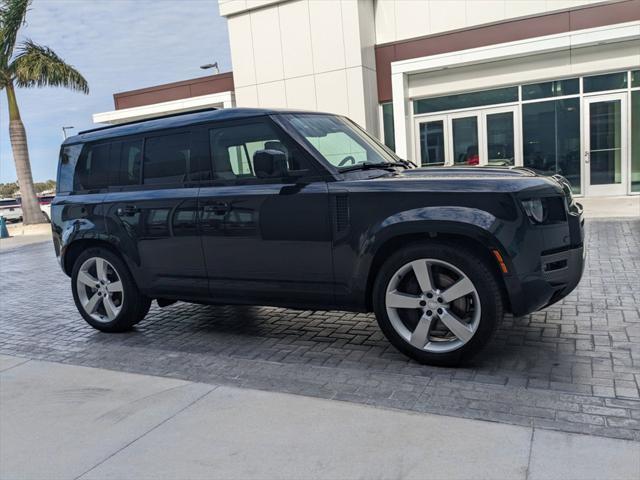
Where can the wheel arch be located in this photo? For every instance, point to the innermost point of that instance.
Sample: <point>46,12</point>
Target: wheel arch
<point>471,237</point>
<point>73,250</point>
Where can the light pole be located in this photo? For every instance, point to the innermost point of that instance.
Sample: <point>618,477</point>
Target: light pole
<point>64,132</point>
<point>210,65</point>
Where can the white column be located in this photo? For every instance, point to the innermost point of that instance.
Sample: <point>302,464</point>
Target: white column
<point>229,102</point>
<point>401,114</point>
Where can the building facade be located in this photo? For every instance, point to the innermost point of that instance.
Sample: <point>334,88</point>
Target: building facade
<point>552,85</point>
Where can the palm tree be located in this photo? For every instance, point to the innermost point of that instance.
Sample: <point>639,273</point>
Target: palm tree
<point>27,64</point>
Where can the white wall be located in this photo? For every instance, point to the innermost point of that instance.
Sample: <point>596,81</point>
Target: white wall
<point>402,19</point>
<point>528,69</point>
<point>307,54</point>
<point>591,51</point>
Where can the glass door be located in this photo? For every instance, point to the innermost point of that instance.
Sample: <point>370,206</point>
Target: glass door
<point>499,137</point>
<point>464,139</point>
<point>431,141</point>
<point>479,137</point>
<point>605,155</point>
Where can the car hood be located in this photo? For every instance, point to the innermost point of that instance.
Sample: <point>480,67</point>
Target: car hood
<point>469,172</point>
<point>465,179</point>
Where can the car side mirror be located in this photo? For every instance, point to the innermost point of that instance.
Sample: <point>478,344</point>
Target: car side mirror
<point>270,164</point>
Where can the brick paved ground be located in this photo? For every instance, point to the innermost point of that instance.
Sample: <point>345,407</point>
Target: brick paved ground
<point>573,367</point>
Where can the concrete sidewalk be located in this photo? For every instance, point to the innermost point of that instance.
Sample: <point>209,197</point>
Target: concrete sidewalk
<point>20,235</point>
<point>627,206</point>
<point>64,422</point>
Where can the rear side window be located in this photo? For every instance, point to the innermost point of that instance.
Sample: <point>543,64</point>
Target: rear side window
<point>127,155</point>
<point>93,170</point>
<point>88,167</point>
<point>167,158</point>
<point>109,164</point>
<point>69,156</point>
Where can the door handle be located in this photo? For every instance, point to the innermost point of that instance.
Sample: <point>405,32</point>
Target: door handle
<point>219,208</point>
<point>586,156</point>
<point>127,211</point>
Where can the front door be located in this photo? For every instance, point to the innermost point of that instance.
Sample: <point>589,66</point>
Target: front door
<point>605,144</point>
<point>264,239</point>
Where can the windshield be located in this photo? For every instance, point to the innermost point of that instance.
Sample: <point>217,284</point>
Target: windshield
<point>341,142</point>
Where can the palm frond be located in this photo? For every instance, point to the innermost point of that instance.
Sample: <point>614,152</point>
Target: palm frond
<point>12,15</point>
<point>38,66</point>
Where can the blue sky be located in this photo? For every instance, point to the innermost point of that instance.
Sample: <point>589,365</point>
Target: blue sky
<point>117,45</point>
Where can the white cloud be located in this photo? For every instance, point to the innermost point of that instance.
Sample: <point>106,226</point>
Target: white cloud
<point>118,45</point>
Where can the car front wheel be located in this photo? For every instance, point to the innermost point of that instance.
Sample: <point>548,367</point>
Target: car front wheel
<point>439,304</point>
<point>105,293</point>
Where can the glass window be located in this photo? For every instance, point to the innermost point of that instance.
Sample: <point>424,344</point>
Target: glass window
<point>635,141</point>
<point>340,149</point>
<point>551,138</point>
<point>635,78</point>
<point>387,123</point>
<point>93,168</point>
<point>130,158</point>
<point>465,140</point>
<point>605,134</point>
<point>69,156</point>
<point>340,141</point>
<point>233,148</point>
<point>239,160</point>
<point>432,143</point>
<point>466,100</point>
<point>609,81</point>
<point>500,146</point>
<point>166,158</point>
<point>556,88</point>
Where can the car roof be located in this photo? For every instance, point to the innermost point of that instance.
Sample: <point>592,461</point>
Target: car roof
<point>173,121</point>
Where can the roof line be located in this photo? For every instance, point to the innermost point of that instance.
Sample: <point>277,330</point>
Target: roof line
<point>142,120</point>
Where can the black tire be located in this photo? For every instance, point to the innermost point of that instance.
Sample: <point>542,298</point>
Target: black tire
<point>46,217</point>
<point>484,281</point>
<point>134,305</point>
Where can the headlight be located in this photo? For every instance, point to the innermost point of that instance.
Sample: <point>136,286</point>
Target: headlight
<point>534,207</point>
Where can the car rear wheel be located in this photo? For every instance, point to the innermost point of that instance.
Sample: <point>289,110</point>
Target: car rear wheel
<point>439,304</point>
<point>105,293</point>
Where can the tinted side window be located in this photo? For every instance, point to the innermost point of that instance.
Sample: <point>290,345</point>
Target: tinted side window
<point>167,159</point>
<point>93,168</point>
<point>130,159</point>
<point>233,148</point>
<point>69,156</point>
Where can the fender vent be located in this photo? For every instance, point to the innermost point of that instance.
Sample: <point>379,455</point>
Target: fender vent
<point>342,212</point>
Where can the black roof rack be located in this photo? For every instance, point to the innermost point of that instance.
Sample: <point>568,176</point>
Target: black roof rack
<point>201,110</point>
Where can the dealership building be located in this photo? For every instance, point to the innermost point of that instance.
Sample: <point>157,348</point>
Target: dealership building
<point>552,85</point>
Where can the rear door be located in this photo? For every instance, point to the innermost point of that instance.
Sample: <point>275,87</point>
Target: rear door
<point>153,212</point>
<point>264,239</point>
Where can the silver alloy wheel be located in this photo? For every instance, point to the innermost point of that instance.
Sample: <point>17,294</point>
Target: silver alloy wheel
<point>444,307</point>
<point>99,288</point>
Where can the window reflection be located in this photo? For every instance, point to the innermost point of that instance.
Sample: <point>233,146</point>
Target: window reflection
<point>432,143</point>
<point>551,138</point>
<point>635,138</point>
<point>608,81</point>
<point>465,141</point>
<point>605,142</point>
<point>500,139</point>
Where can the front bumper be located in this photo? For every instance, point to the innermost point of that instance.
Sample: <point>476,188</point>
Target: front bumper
<point>560,274</point>
<point>563,271</point>
<point>554,273</point>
